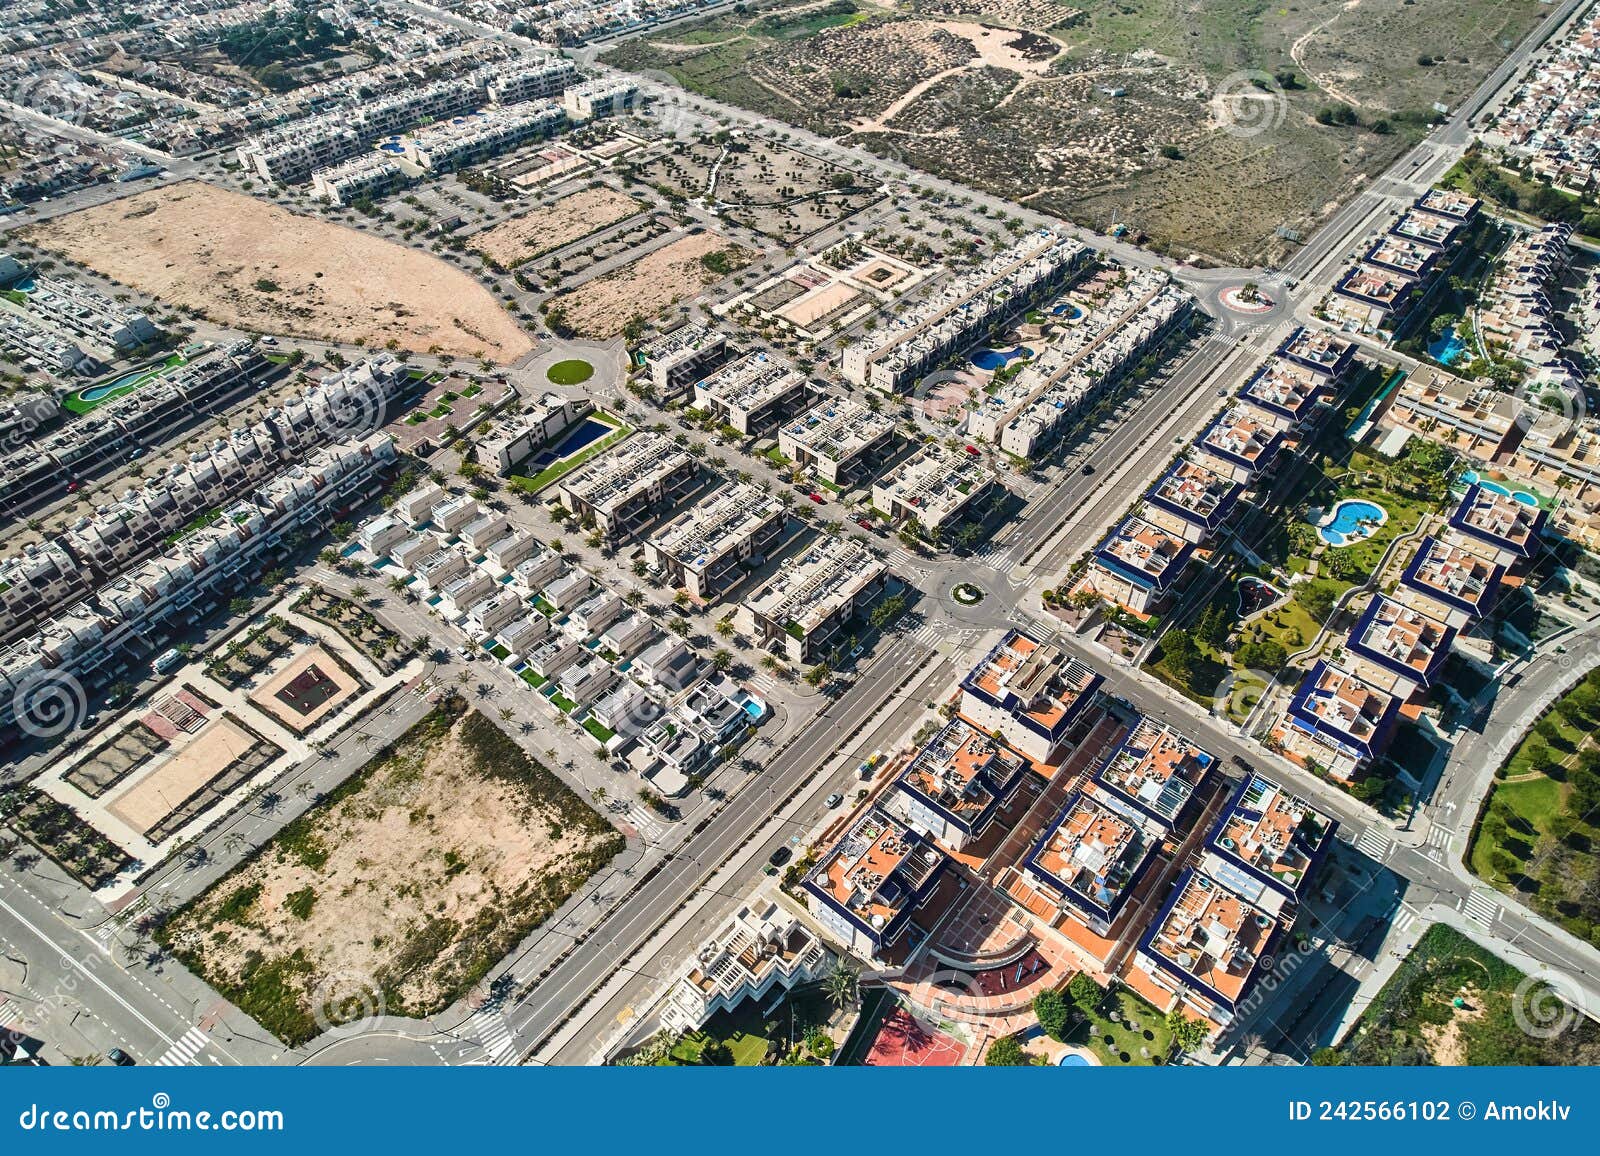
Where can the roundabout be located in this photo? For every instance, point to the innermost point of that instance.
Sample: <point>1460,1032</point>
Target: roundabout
<point>573,371</point>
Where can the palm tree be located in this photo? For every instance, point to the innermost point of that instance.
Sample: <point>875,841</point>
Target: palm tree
<point>505,714</point>
<point>841,985</point>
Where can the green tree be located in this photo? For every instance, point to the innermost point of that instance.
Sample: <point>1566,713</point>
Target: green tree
<point>1085,992</point>
<point>1187,1034</point>
<point>1053,1013</point>
<point>1007,1052</point>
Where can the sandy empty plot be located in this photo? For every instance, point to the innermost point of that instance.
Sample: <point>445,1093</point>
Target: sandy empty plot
<point>600,308</point>
<point>559,223</point>
<point>402,888</point>
<point>151,799</point>
<point>252,265</point>
<point>821,303</point>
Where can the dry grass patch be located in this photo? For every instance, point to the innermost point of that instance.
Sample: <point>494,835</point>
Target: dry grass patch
<point>414,877</point>
<point>248,264</point>
<point>656,281</point>
<point>552,226</point>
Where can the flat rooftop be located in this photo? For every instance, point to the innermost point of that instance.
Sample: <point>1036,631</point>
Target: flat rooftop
<point>721,522</point>
<point>874,868</point>
<point>1033,680</point>
<point>1157,769</point>
<point>1212,936</point>
<point>812,587</point>
<point>959,768</point>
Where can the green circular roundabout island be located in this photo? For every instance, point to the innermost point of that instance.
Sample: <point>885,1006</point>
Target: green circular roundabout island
<point>573,371</point>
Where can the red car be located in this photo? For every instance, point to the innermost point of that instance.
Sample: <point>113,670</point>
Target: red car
<point>864,523</point>
<point>817,498</point>
<point>973,450</point>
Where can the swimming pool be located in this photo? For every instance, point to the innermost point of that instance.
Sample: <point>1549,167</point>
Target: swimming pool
<point>1471,478</point>
<point>1351,521</point>
<point>1447,348</point>
<point>755,708</point>
<point>1067,311</point>
<point>591,430</point>
<point>1073,1060</point>
<point>994,358</point>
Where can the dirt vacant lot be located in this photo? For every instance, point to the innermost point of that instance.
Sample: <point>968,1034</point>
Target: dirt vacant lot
<point>1206,124</point>
<point>250,265</point>
<point>551,226</point>
<point>600,308</point>
<point>401,889</point>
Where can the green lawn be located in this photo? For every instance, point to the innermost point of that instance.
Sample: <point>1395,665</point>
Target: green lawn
<point>1536,835</point>
<point>557,470</point>
<point>602,733</point>
<point>573,371</point>
<point>74,402</point>
<point>1122,1047</point>
<point>532,679</point>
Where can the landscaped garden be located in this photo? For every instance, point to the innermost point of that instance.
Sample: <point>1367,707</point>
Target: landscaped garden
<point>1118,1026</point>
<point>1452,1003</point>
<point>58,831</point>
<point>1536,836</point>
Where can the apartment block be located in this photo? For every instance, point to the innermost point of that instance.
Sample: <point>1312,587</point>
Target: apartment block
<point>1192,499</point>
<point>1207,946</point>
<point>1449,579</point>
<point>471,138</point>
<point>839,440</point>
<point>627,487</point>
<point>762,949</point>
<point>1476,421</point>
<point>961,310</point>
<point>957,784</point>
<point>678,359</point>
<point>536,82</point>
<point>363,177</point>
<point>1158,773</point>
<point>1092,859</point>
<point>1137,564</point>
<point>866,887</point>
<point>1268,844</point>
<point>805,608</point>
<point>753,394</point>
<point>1338,721</point>
<point>516,437</point>
<point>708,550</point>
<point>1244,441</point>
<point>608,96</point>
<point>1031,694</point>
<point>1323,352</point>
<point>937,486</point>
<point>1397,647</point>
<point>97,638</point>
<point>1285,389</point>
<point>1505,528</point>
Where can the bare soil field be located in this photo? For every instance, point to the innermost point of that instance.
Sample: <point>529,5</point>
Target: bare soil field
<point>549,227</point>
<point>251,265</point>
<point>401,889</point>
<point>656,281</point>
<point>1103,110</point>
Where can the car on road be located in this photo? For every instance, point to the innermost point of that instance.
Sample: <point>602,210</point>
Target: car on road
<point>1243,764</point>
<point>973,450</point>
<point>121,1058</point>
<point>73,487</point>
<point>1222,393</point>
<point>834,800</point>
<point>781,856</point>
<point>817,498</point>
<point>864,523</point>
<point>1087,469</point>
<point>466,653</point>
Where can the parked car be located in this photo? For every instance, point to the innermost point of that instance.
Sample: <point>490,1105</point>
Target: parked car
<point>817,498</point>
<point>834,800</point>
<point>781,856</point>
<point>121,1058</point>
<point>1087,469</point>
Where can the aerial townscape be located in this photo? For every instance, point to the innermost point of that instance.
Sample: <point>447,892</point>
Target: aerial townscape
<point>890,533</point>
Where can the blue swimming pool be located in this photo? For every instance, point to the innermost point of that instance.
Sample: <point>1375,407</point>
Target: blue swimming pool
<point>991,359</point>
<point>1447,348</point>
<point>106,389</point>
<point>755,708</point>
<point>1351,521</point>
<point>590,430</point>
<point>1067,311</point>
<point>1471,478</point>
<point>390,146</point>
<point>1072,1060</point>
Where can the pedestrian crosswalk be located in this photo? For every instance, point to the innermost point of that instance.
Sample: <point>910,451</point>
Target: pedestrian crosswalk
<point>1439,836</point>
<point>1481,908</point>
<point>761,680</point>
<point>1374,844</point>
<point>928,634</point>
<point>1403,918</point>
<point>643,821</point>
<point>489,1027</point>
<point>187,1047</point>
